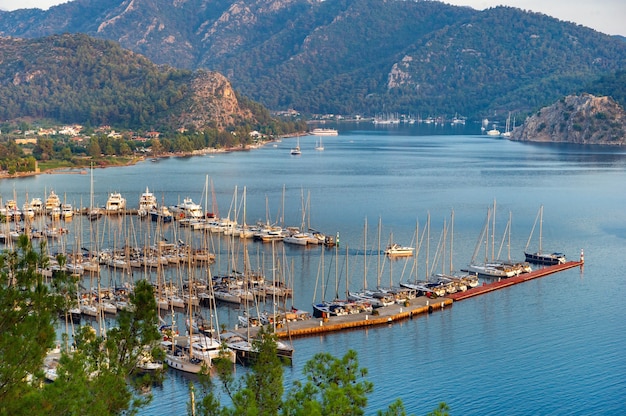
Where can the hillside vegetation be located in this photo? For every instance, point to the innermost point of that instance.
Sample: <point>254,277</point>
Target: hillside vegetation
<point>352,56</point>
<point>79,79</point>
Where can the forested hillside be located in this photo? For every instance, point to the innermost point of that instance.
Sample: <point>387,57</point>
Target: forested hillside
<point>78,79</point>
<point>352,56</point>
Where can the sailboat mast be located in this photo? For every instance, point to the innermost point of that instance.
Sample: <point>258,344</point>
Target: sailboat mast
<point>365,256</point>
<point>493,232</point>
<point>451,239</point>
<point>540,228</point>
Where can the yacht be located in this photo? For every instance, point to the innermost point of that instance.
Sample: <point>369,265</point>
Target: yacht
<point>36,205</point>
<point>53,201</point>
<point>67,211</point>
<point>324,132</point>
<point>12,211</point>
<point>147,203</point>
<point>187,209</point>
<point>162,214</point>
<point>115,204</point>
<point>396,250</point>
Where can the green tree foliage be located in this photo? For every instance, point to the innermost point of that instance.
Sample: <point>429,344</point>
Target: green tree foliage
<point>332,386</point>
<point>29,308</point>
<point>96,377</point>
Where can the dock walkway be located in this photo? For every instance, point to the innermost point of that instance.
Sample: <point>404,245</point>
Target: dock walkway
<point>395,313</point>
<point>385,315</point>
<point>524,277</point>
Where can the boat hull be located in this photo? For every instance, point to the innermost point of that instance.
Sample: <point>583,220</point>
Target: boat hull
<point>545,259</point>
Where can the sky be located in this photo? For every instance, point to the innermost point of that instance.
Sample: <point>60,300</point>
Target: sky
<point>606,16</point>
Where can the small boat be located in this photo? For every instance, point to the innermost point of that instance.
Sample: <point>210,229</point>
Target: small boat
<point>324,132</point>
<point>493,132</point>
<point>296,150</point>
<point>94,214</point>
<point>115,204</point>
<point>67,212</point>
<point>396,250</point>
<point>162,214</point>
<point>319,145</point>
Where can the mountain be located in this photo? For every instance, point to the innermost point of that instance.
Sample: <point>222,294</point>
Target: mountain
<point>352,56</point>
<point>582,119</point>
<point>79,79</point>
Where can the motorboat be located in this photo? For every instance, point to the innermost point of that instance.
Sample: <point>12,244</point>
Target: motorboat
<point>147,203</point>
<point>187,209</point>
<point>36,205</point>
<point>162,214</point>
<point>52,201</point>
<point>116,204</point>
<point>67,212</point>
<point>396,250</point>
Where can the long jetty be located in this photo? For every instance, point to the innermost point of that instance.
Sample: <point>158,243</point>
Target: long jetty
<point>381,316</point>
<point>420,305</point>
<point>524,277</point>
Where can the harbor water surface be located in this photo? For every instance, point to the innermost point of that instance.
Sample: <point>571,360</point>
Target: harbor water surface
<point>549,346</point>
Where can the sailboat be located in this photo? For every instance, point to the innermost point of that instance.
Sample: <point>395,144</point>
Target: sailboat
<point>507,128</point>
<point>296,150</point>
<point>319,145</point>
<point>491,267</point>
<point>539,257</point>
<point>94,212</point>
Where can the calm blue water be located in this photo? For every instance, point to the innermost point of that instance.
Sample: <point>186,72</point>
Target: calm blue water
<point>549,346</point>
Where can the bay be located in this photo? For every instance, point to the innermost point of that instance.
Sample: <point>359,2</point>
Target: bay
<point>549,346</point>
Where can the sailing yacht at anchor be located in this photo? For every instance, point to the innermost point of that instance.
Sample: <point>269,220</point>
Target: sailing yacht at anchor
<point>539,257</point>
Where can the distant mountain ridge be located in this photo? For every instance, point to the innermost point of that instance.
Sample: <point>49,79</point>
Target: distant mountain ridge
<point>352,56</point>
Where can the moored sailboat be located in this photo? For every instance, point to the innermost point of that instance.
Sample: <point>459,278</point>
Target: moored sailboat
<point>539,257</point>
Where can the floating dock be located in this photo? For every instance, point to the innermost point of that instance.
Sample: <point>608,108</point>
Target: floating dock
<point>524,277</point>
<point>417,306</point>
<point>383,315</point>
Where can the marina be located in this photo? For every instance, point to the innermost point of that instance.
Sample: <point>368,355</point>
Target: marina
<point>519,340</point>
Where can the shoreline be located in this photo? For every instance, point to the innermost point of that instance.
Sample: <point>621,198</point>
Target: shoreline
<point>83,169</point>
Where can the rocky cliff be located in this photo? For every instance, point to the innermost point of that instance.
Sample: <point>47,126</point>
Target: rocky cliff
<point>211,102</point>
<point>583,119</point>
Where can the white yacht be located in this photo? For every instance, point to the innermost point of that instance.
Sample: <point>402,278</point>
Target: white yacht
<point>36,205</point>
<point>52,201</point>
<point>147,203</point>
<point>115,204</point>
<point>67,212</point>
<point>187,209</point>
<point>396,250</point>
<point>324,132</point>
